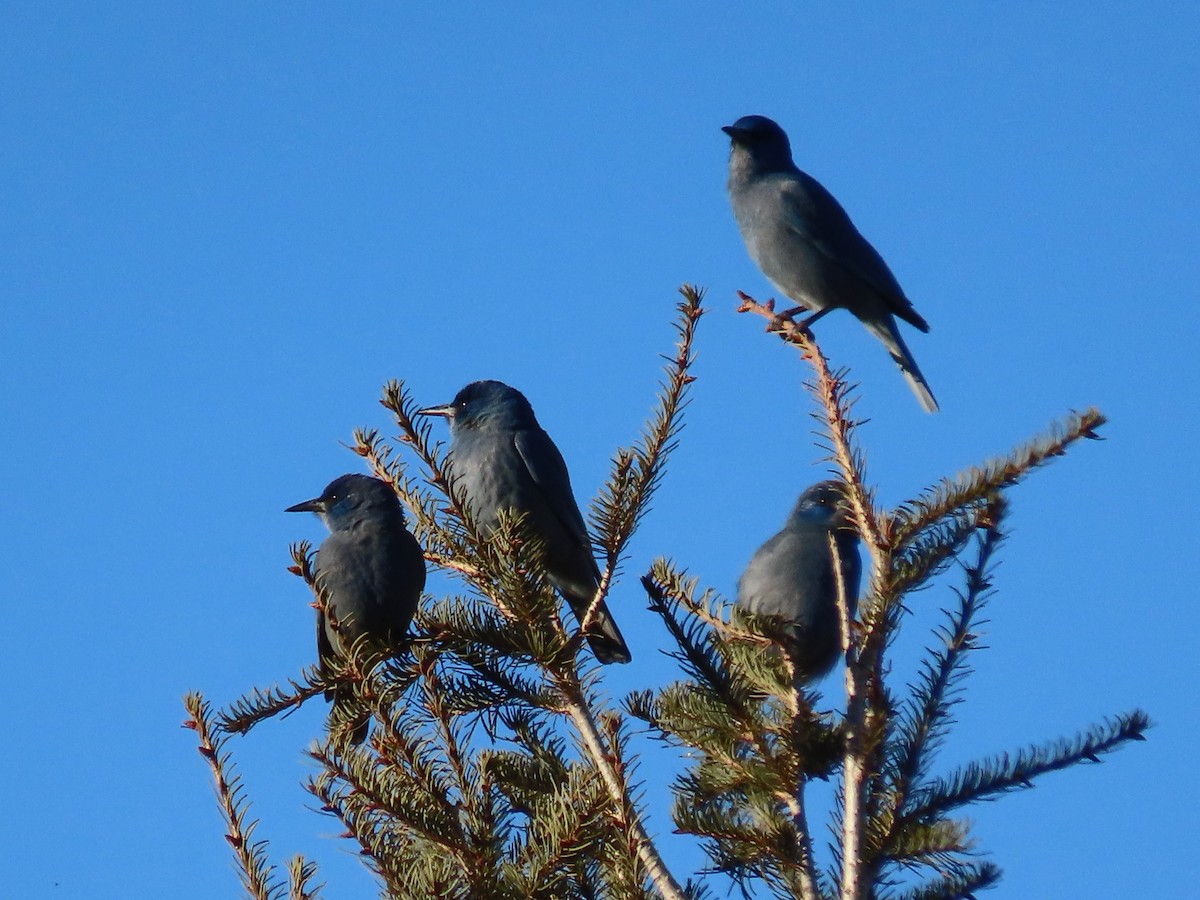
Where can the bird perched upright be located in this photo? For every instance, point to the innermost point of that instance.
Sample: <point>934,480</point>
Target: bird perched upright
<point>806,245</point>
<point>502,459</point>
<point>792,576</point>
<point>370,568</point>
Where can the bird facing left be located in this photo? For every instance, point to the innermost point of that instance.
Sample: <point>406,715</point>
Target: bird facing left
<point>371,571</point>
<point>804,242</point>
<point>502,459</point>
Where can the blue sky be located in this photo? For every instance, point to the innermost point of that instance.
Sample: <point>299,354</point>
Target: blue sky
<point>224,227</point>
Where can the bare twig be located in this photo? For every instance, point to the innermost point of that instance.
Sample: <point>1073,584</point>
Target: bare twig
<point>808,870</point>
<point>656,869</point>
<point>251,855</point>
<point>589,617</point>
<point>854,765</point>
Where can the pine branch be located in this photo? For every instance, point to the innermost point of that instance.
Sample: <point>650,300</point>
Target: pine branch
<point>480,681</point>
<point>621,505</point>
<point>698,653</point>
<point>866,701</point>
<point>959,884</point>
<point>625,865</point>
<point>437,810</point>
<point>746,838</point>
<point>856,760</point>
<point>805,862</point>
<point>508,573</point>
<point>939,845</point>
<point>984,780</point>
<point>256,873</point>
<point>494,572</point>
<point>264,703</point>
<point>301,872</point>
<point>733,839</point>
<point>834,397</point>
<point>719,712</point>
<point>624,500</point>
<point>978,483</point>
<point>928,716</point>
<point>867,705</point>
<point>638,470</point>
<point>755,732</point>
<point>906,549</point>
<point>403,796</point>
<point>609,766</point>
<point>732,656</point>
<point>421,813</point>
<point>516,583</point>
<point>929,552</point>
<point>409,791</point>
<point>477,629</point>
<point>539,767</point>
<point>387,848</point>
<point>486,834</point>
<point>569,834</point>
<point>568,820</point>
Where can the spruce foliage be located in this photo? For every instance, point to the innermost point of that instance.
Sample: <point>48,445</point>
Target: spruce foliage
<point>497,770</point>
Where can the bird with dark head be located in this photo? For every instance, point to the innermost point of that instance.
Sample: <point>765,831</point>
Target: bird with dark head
<point>792,576</point>
<point>806,245</point>
<point>501,459</point>
<point>370,570</point>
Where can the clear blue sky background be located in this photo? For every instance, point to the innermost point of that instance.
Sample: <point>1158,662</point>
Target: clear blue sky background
<point>223,227</point>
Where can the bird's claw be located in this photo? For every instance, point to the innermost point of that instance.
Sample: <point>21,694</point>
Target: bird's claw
<point>788,316</point>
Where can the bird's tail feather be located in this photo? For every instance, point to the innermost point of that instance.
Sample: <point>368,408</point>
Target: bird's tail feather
<point>604,637</point>
<point>889,336</point>
<point>607,643</point>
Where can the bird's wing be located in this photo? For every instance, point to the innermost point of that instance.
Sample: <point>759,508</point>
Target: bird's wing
<point>324,649</point>
<point>816,217</point>
<point>344,575</point>
<point>549,472</point>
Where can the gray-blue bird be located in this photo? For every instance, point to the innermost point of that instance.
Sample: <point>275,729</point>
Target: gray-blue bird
<point>792,576</point>
<point>371,568</point>
<point>502,459</point>
<point>803,241</point>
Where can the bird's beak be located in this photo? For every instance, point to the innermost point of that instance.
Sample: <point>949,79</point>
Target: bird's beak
<point>446,411</point>
<point>735,133</point>
<point>312,506</point>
